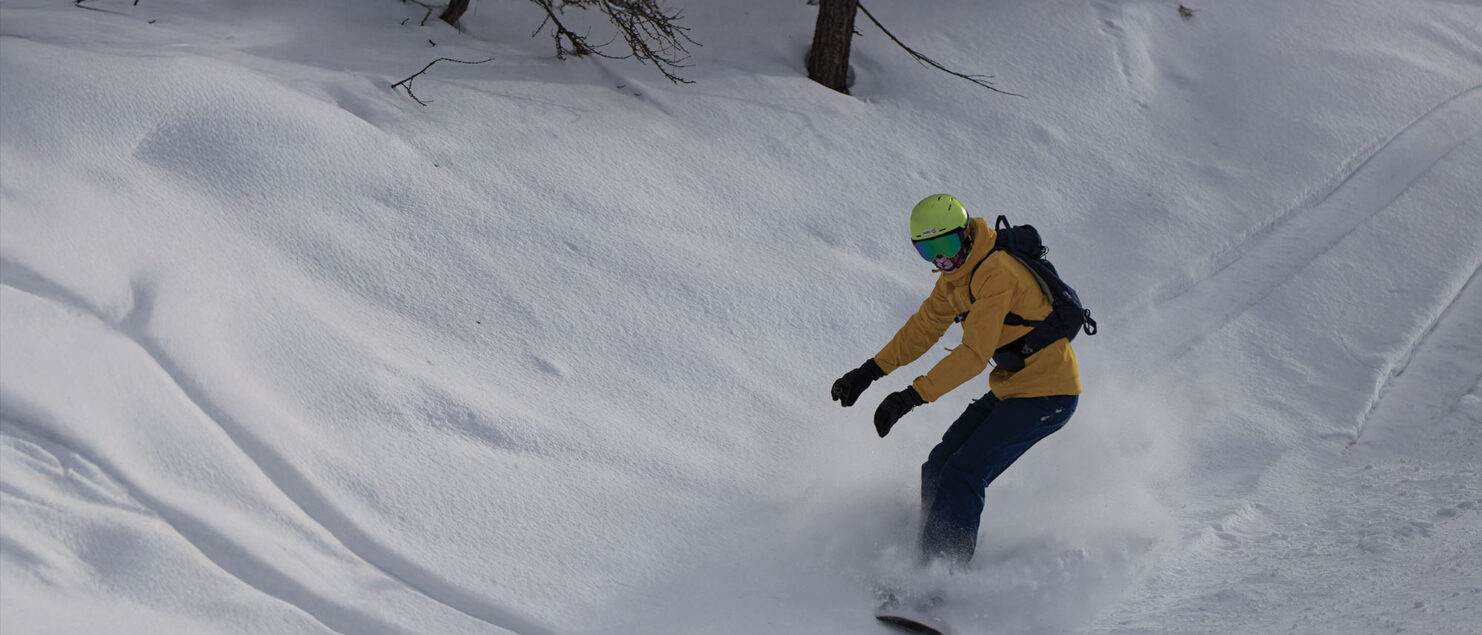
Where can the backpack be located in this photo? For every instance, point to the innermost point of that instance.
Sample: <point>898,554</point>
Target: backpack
<point>1067,316</point>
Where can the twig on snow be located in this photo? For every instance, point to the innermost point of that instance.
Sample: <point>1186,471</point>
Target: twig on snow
<point>79,4</point>
<point>424,5</point>
<point>407,83</point>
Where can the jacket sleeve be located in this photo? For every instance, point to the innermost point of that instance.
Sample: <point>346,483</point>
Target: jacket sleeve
<point>921,331</point>
<point>980,332</point>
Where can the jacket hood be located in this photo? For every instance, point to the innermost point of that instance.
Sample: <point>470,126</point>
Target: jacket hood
<point>983,239</point>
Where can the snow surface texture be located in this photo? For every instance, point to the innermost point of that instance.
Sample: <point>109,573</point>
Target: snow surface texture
<point>283,351</point>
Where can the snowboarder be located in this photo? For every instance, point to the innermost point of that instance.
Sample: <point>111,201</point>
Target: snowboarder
<point>980,286</point>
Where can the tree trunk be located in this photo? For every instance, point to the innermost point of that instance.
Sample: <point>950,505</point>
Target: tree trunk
<point>454,11</point>
<point>828,59</point>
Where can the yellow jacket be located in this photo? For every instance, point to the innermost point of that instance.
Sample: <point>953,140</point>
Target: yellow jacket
<point>1001,285</point>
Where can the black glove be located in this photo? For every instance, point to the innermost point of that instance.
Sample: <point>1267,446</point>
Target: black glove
<point>847,388</point>
<point>895,406</point>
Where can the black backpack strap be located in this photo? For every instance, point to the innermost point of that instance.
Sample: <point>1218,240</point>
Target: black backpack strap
<point>1011,356</point>
<point>1014,319</point>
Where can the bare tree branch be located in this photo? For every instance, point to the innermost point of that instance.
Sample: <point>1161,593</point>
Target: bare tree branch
<point>649,30</point>
<point>407,83</point>
<point>651,33</point>
<point>981,80</point>
<point>579,46</point>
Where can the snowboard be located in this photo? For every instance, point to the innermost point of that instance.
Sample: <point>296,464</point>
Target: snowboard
<point>906,619</point>
<point>908,625</point>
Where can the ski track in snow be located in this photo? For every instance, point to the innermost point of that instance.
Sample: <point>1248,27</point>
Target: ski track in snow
<point>1393,505</point>
<point>287,478</point>
<point>1134,62</point>
<point>1244,275</point>
<point>1394,523</point>
<point>1399,364</point>
<point>1397,162</point>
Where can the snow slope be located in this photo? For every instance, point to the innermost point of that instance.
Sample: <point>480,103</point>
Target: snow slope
<point>283,351</point>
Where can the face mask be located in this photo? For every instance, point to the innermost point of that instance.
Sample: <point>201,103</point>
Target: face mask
<point>947,251</point>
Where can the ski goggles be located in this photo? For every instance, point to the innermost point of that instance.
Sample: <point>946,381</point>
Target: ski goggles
<point>947,246</point>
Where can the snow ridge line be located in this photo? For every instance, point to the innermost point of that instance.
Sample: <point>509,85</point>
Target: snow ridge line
<point>1111,16</point>
<point>1457,107</point>
<point>1273,254</point>
<point>16,422</point>
<point>296,487</point>
<point>1398,365</point>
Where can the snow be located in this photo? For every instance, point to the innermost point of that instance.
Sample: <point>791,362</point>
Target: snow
<point>282,350</point>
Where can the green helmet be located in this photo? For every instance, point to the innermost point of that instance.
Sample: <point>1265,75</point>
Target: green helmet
<point>937,214</point>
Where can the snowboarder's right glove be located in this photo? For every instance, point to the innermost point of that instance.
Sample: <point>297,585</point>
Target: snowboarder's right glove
<point>848,388</point>
<point>895,406</point>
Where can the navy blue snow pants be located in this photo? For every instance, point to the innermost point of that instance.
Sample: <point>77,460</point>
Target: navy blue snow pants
<point>989,436</point>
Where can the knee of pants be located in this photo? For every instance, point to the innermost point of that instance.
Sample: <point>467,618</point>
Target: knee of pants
<point>932,466</point>
<point>931,470</point>
<point>959,472</point>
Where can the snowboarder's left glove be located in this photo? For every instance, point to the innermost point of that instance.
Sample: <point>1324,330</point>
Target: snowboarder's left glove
<point>895,406</point>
